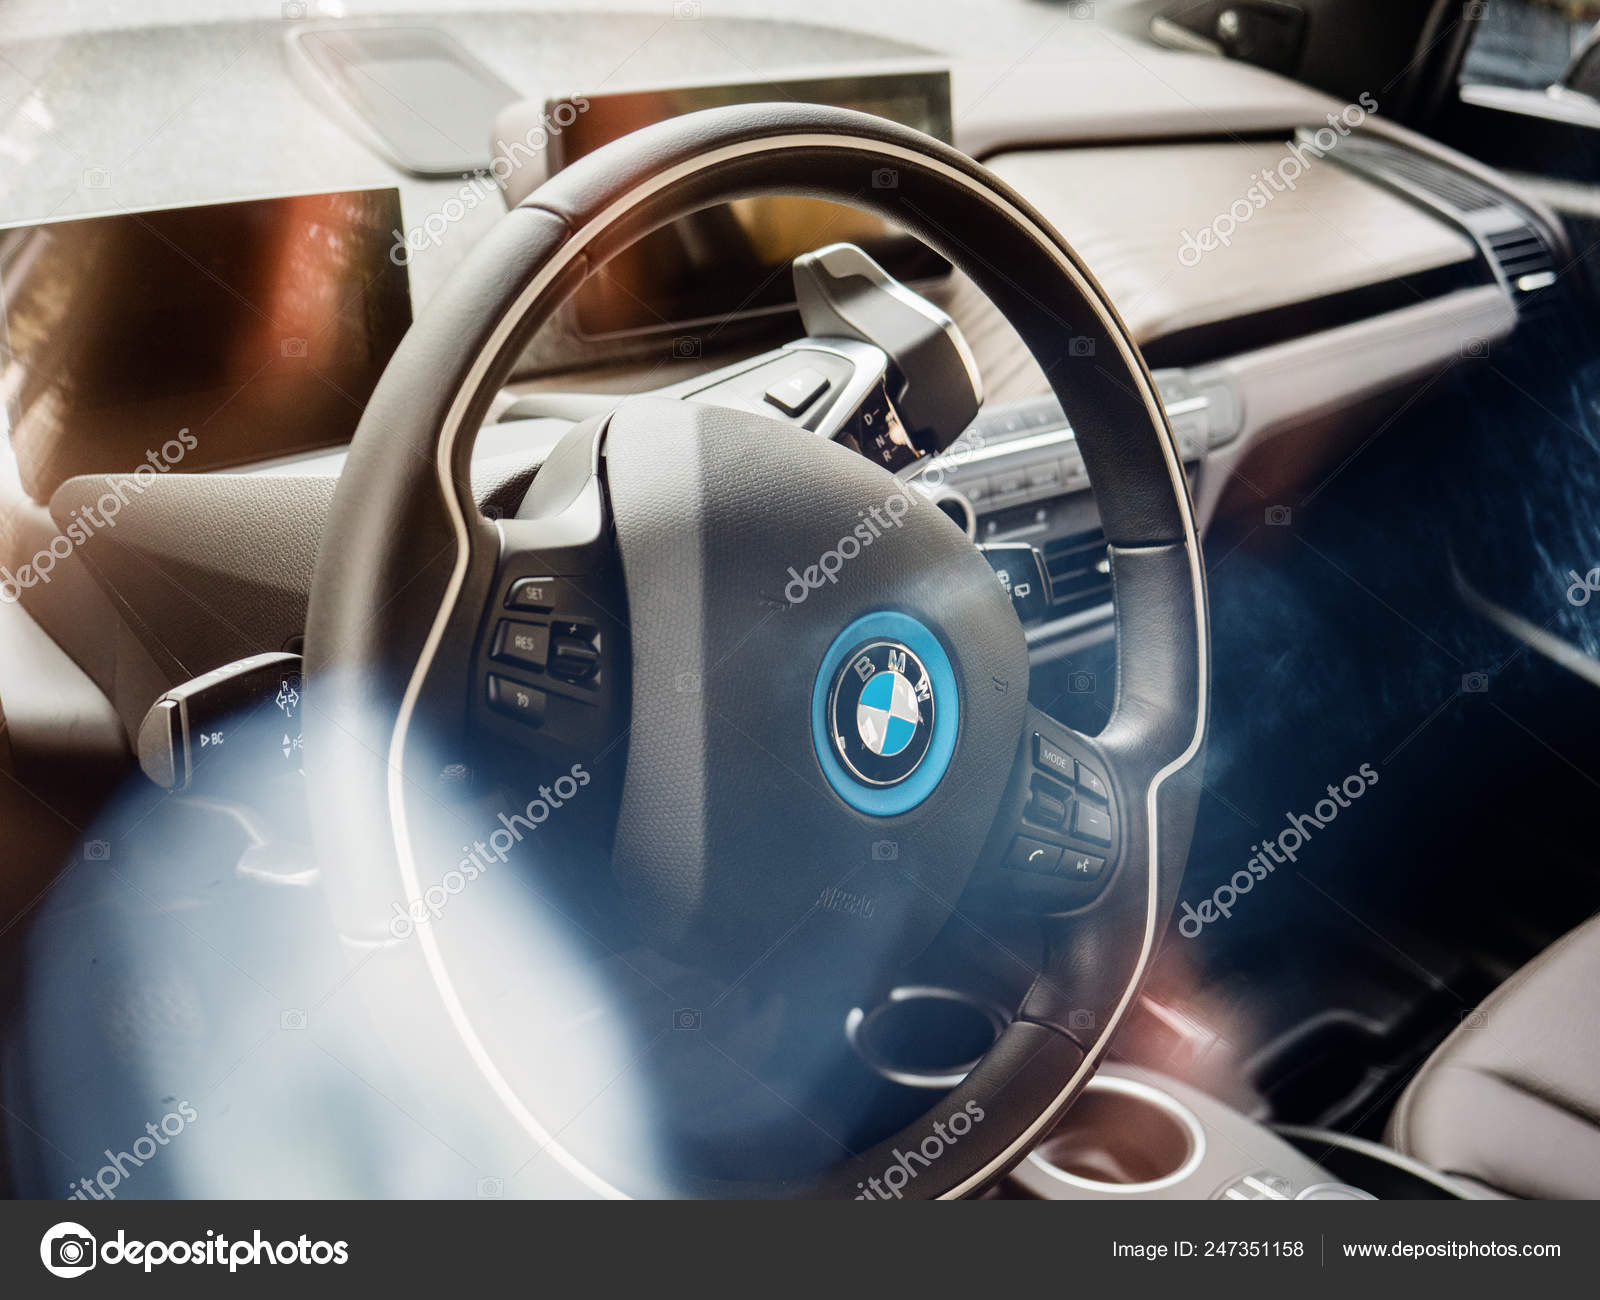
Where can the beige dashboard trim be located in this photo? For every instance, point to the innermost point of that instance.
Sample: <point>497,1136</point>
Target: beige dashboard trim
<point>1297,227</point>
<point>1292,384</point>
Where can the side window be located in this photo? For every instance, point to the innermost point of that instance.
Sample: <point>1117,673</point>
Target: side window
<point>1525,44</point>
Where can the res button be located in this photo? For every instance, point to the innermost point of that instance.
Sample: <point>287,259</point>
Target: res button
<point>522,644</point>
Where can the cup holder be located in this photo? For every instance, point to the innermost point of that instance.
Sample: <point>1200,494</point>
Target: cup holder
<point>922,1036</point>
<point>1122,1136</point>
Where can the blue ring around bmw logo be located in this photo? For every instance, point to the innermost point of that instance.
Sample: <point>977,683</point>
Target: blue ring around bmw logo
<point>882,746</point>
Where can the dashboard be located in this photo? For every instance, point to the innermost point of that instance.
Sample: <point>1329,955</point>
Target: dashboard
<point>262,326</point>
<point>730,263</point>
<point>1380,258</point>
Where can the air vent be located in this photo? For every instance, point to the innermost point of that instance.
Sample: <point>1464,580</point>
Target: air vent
<point>1492,219</point>
<point>1080,572</point>
<point>1445,183</point>
<point>1523,259</point>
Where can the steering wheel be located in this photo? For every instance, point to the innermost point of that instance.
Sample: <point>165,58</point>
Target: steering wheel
<point>768,737</point>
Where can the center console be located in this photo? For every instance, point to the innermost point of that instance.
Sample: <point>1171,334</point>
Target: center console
<point>1143,1136</point>
<point>1017,475</point>
<point>1133,1133</point>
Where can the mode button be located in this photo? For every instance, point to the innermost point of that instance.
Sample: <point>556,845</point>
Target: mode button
<point>1053,759</point>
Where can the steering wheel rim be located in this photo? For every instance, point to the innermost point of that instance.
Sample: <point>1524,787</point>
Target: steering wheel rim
<point>403,521</point>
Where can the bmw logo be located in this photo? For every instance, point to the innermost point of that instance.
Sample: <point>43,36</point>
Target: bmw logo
<point>885,713</point>
<point>881,712</point>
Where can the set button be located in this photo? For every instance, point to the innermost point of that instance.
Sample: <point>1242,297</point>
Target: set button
<point>532,594</point>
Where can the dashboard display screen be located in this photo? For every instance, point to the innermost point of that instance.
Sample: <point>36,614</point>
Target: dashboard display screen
<point>733,260</point>
<point>257,328</point>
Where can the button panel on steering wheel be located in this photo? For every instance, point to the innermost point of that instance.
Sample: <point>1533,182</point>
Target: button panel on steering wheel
<point>550,673</point>
<point>1055,841</point>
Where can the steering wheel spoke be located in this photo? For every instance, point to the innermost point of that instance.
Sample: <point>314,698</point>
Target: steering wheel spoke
<point>1095,955</point>
<point>1068,847</point>
<point>549,665</point>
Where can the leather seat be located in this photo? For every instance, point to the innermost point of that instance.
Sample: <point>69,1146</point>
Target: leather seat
<point>1511,1100</point>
